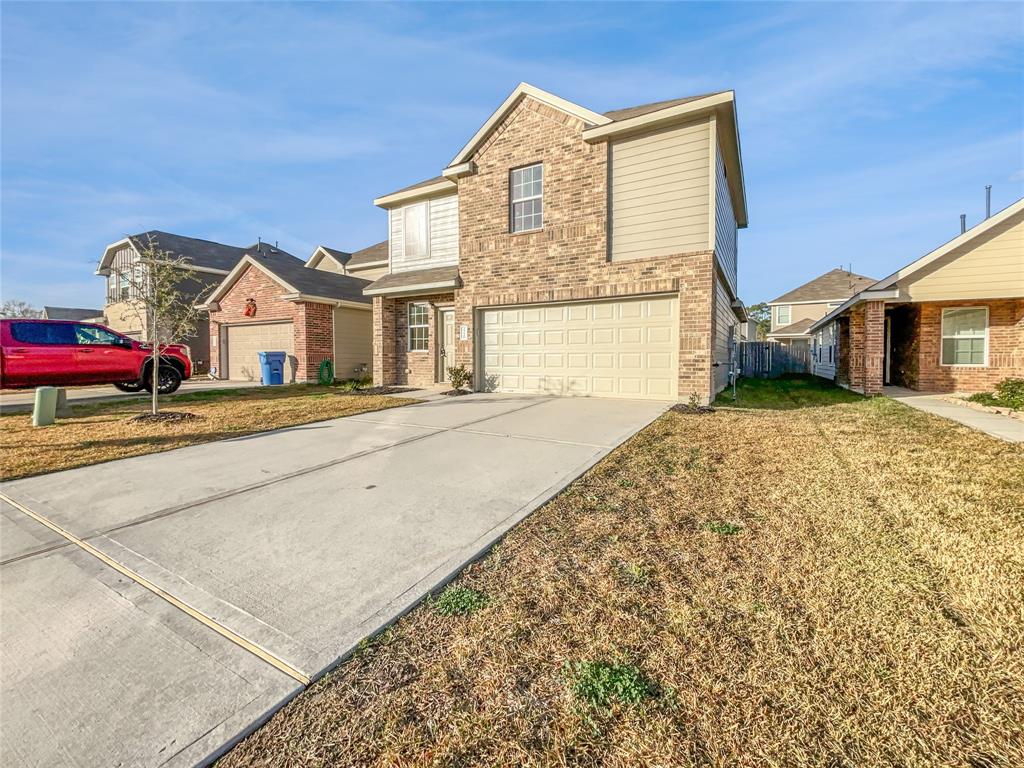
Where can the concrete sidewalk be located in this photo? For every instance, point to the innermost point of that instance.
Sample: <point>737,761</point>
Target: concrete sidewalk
<point>301,542</point>
<point>995,424</point>
<point>21,400</point>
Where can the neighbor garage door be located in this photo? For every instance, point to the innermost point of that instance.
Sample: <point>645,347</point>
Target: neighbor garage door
<point>245,342</point>
<point>620,348</point>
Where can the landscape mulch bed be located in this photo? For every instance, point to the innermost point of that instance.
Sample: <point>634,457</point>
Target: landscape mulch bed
<point>165,417</point>
<point>837,585</point>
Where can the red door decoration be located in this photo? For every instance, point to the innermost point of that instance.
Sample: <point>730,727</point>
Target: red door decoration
<point>250,307</point>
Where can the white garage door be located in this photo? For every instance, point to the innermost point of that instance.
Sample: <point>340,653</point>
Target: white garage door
<point>619,348</point>
<point>245,342</point>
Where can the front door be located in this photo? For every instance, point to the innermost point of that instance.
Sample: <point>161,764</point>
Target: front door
<point>446,349</point>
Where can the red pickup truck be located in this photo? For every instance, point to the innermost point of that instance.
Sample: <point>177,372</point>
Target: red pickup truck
<point>35,353</point>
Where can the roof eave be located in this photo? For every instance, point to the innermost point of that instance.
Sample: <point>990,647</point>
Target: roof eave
<point>298,296</point>
<point>412,290</point>
<point>430,190</point>
<point>871,294</point>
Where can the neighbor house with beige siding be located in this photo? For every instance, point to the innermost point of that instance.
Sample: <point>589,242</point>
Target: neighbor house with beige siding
<point>951,321</point>
<point>570,252</point>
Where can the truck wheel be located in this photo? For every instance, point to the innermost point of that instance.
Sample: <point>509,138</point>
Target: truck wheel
<point>129,386</point>
<point>168,380</point>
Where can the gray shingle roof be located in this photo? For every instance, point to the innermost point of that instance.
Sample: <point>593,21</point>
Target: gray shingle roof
<point>200,253</point>
<point>316,282</point>
<point>415,278</point>
<point>71,313</point>
<point>799,327</point>
<point>377,252</point>
<point>646,109</point>
<point>836,284</point>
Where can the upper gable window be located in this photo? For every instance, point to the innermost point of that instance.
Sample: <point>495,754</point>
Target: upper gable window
<point>783,315</point>
<point>527,197</point>
<point>415,226</point>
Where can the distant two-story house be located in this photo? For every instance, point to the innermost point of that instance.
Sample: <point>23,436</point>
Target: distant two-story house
<point>793,313</point>
<point>286,321</point>
<point>208,261</point>
<point>950,321</point>
<point>568,252</point>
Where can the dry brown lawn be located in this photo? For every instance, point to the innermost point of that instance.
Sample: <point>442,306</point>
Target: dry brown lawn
<point>103,431</point>
<point>868,612</point>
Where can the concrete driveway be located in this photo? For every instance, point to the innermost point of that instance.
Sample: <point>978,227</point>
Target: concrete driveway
<point>156,609</point>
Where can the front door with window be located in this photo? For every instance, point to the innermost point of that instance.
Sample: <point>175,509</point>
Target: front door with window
<point>446,349</point>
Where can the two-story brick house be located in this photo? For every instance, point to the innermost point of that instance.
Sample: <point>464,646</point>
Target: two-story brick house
<point>569,252</point>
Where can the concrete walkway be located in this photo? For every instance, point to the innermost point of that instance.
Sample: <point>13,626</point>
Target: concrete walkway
<point>995,424</point>
<point>276,554</point>
<point>21,400</point>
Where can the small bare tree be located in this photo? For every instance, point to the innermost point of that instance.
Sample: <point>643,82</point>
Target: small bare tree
<point>16,308</point>
<point>156,300</point>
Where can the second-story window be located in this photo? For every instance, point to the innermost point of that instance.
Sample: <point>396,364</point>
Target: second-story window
<point>527,196</point>
<point>783,315</point>
<point>415,231</point>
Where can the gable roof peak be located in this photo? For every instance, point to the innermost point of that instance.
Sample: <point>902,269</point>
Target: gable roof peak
<point>520,92</point>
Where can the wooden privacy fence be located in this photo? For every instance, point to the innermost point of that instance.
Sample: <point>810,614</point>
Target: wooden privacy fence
<point>770,359</point>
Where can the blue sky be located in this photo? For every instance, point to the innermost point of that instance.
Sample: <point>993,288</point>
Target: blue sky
<point>866,128</point>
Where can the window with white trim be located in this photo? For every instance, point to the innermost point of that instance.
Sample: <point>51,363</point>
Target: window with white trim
<point>419,327</point>
<point>415,231</point>
<point>783,315</point>
<point>965,336</point>
<point>527,197</point>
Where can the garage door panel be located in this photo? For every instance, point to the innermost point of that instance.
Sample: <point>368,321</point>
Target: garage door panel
<point>245,342</point>
<point>612,348</point>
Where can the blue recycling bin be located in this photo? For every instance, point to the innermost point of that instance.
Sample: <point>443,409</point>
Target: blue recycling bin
<point>272,367</point>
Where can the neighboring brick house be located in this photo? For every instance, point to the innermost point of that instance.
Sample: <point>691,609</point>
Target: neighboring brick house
<point>208,261</point>
<point>564,251</point>
<point>273,302</point>
<point>952,321</point>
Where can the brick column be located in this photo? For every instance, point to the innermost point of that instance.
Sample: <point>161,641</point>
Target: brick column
<point>696,327</point>
<point>874,347</point>
<point>384,363</point>
<point>867,347</point>
<point>314,339</point>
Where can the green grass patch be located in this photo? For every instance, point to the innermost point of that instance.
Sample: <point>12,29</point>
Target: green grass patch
<point>601,685</point>
<point>459,601</point>
<point>634,574</point>
<point>785,393</point>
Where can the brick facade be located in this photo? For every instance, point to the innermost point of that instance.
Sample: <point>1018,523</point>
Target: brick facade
<point>393,362</point>
<point>916,346</point>
<point>1005,348</point>
<point>567,260</point>
<point>312,324</point>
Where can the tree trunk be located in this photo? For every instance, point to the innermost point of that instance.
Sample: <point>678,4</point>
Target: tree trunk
<point>155,371</point>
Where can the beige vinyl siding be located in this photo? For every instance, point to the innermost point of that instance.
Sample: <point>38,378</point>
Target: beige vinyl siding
<point>328,264</point>
<point>989,267</point>
<point>725,322</point>
<point>369,274</point>
<point>444,231</point>
<point>353,342</point>
<point>126,317</point>
<point>660,190</point>
<point>442,235</point>
<point>803,312</point>
<point>725,223</point>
